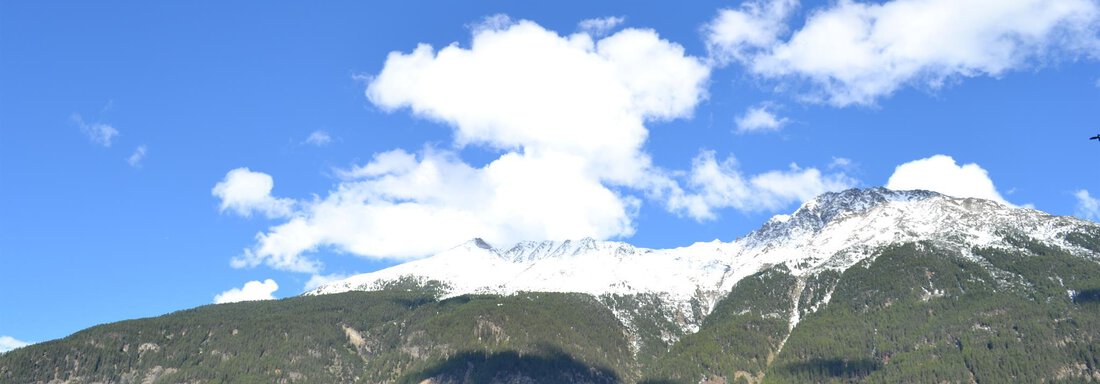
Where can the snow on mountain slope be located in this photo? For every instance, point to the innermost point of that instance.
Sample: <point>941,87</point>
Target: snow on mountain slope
<point>833,231</point>
<point>586,265</point>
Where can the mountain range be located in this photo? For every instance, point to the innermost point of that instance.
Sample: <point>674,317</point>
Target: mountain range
<point>869,285</point>
<point>830,233</point>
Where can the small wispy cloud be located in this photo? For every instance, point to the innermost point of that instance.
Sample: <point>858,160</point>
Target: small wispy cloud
<point>98,133</point>
<point>1088,207</point>
<point>243,192</point>
<point>251,291</point>
<point>495,22</point>
<point>135,158</point>
<point>600,26</point>
<point>719,184</point>
<point>759,119</point>
<point>8,343</point>
<point>318,138</point>
<point>841,163</point>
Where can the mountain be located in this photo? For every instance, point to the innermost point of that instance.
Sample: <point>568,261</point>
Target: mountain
<point>830,233</point>
<point>861,285</point>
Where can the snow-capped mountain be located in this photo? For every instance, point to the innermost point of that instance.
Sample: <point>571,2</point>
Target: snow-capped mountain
<point>868,285</point>
<point>833,231</point>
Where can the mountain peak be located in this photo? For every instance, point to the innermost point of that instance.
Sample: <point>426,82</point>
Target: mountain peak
<point>860,199</point>
<point>478,242</point>
<point>473,244</point>
<point>815,214</point>
<point>537,250</point>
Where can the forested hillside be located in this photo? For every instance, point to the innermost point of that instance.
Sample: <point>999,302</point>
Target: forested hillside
<point>387,336</point>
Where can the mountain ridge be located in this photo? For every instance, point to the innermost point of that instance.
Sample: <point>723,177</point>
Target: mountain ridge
<point>833,231</point>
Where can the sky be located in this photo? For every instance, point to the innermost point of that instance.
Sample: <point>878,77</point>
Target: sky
<point>160,156</point>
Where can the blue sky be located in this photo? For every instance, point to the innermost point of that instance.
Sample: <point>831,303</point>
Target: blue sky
<point>154,157</point>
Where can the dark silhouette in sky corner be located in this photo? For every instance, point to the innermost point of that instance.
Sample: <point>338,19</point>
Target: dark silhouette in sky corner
<point>1097,137</point>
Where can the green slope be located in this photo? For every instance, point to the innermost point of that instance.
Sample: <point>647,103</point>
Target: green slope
<point>387,336</point>
<point>918,314</point>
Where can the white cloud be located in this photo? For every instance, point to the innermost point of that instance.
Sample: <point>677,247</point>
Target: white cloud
<point>318,138</point>
<point>1088,207</point>
<point>526,87</point>
<point>759,119</point>
<point>717,185</point>
<point>491,23</point>
<point>251,291</point>
<point>98,133</point>
<point>8,343</point>
<point>135,158</point>
<point>738,34</point>
<point>942,174</point>
<point>841,163</point>
<point>600,26</point>
<point>244,192</point>
<point>567,117</point>
<point>855,52</point>
<point>402,205</point>
<point>565,113</point>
